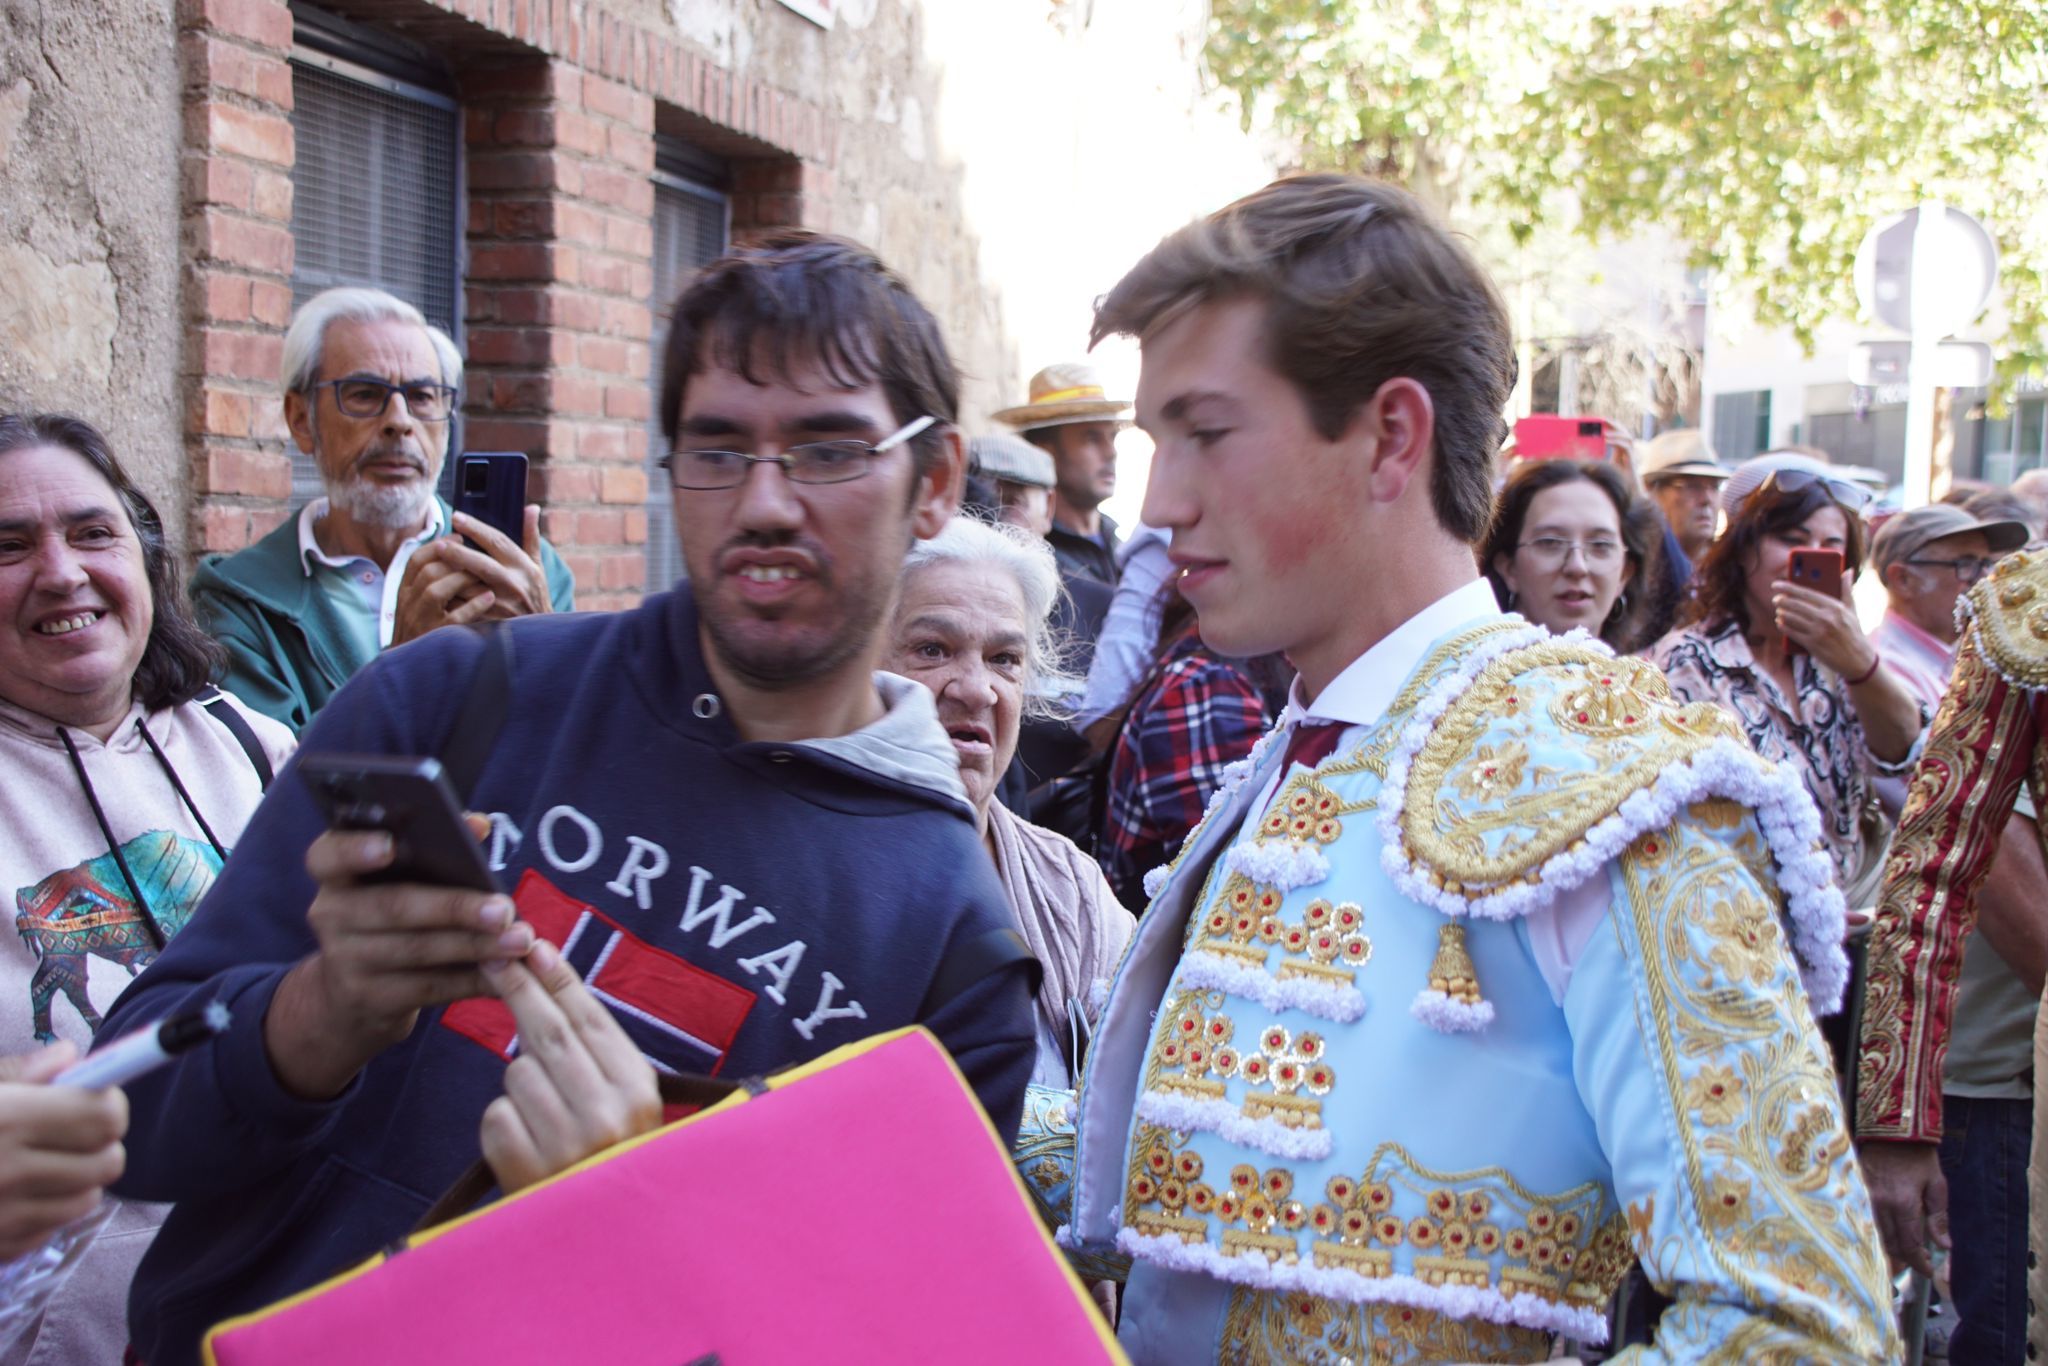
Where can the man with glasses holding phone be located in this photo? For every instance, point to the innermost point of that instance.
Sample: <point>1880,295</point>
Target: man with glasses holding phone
<point>370,394</point>
<point>1927,558</point>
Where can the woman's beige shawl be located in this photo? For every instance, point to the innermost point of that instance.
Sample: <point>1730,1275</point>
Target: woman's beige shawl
<point>1069,916</point>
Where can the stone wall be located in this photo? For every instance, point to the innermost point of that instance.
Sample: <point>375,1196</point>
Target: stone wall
<point>145,208</point>
<point>89,263</point>
<point>883,179</point>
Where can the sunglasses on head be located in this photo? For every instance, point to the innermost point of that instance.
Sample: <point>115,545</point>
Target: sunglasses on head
<point>1850,495</point>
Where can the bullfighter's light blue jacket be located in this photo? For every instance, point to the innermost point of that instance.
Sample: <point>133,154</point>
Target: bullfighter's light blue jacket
<point>1418,1049</point>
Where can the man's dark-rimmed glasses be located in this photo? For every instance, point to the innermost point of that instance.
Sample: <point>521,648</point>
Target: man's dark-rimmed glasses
<point>813,462</point>
<point>1968,568</point>
<point>361,397</point>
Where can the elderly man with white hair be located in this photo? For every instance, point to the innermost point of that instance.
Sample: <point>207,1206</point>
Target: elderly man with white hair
<point>370,389</point>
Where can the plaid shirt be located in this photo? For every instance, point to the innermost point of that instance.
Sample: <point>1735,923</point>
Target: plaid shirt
<point>1190,719</point>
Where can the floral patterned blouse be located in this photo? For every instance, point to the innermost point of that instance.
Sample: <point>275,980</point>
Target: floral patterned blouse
<point>1821,738</point>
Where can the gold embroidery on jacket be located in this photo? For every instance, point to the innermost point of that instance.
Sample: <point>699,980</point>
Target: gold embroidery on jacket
<point>1939,832</point>
<point>1264,1328</point>
<point>1370,756</point>
<point>2011,611</point>
<point>1516,813</point>
<point>1764,1155</point>
<point>1566,1248</point>
<point>1327,944</point>
<point>1286,1075</point>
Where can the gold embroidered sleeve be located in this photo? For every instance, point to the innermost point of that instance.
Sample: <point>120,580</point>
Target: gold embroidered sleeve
<point>1717,1107</point>
<point>1960,798</point>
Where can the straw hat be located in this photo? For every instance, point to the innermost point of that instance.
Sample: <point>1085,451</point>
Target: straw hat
<point>1682,452</point>
<point>1060,394</point>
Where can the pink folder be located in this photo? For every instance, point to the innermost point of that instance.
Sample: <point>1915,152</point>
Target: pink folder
<point>862,1210</point>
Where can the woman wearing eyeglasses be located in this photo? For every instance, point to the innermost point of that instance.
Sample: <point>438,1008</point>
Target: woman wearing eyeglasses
<point>1791,661</point>
<point>1570,548</point>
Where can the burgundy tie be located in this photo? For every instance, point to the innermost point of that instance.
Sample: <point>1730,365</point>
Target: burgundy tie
<point>1312,742</point>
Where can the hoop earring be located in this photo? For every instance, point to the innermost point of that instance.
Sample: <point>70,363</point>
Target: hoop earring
<point>1513,598</point>
<point>1619,609</point>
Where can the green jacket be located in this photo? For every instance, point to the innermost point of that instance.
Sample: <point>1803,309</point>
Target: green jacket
<point>288,651</point>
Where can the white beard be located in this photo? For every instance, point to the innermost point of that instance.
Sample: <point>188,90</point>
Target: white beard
<point>392,507</point>
<point>400,507</point>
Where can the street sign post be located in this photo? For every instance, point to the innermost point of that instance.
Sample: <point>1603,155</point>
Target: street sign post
<point>1927,272</point>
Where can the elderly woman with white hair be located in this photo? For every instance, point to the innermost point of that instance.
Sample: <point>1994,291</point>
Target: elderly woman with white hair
<point>973,625</point>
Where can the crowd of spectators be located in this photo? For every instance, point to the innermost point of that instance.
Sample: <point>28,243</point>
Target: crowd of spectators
<point>1060,696</point>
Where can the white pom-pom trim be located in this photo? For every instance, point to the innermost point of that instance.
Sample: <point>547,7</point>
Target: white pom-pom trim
<point>1155,881</point>
<point>1447,1016</point>
<point>1725,768</point>
<point>1192,1114</point>
<point>1324,1000</point>
<point>1336,1283</point>
<point>1282,864</point>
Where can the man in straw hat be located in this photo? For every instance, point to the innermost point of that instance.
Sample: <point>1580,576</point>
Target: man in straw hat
<point>1680,471</point>
<point>1071,416</point>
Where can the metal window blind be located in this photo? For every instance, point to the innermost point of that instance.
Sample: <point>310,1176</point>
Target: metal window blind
<point>690,230</point>
<point>374,197</point>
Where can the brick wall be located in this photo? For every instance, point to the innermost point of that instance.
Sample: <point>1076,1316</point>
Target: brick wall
<point>560,241</point>
<point>559,107</point>
<point>236,244</point>
<point>561,104</point>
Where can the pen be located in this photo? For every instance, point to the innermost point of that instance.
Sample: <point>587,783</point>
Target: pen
<point>146,1049</point>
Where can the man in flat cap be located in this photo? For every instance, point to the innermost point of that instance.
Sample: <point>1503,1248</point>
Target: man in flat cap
<point>1020,477</point>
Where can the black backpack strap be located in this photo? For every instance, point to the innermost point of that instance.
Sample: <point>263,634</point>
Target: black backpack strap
<point>469,743</point>
<point>970,961</point>
<point>223,711</point>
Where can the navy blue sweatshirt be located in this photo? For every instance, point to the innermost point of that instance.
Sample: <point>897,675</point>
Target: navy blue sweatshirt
<point>740,906</point>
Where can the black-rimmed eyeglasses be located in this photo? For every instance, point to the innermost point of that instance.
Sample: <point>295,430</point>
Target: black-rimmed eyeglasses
<point>1968,568</point>
<point>813,462</point>
<point>368,398</point>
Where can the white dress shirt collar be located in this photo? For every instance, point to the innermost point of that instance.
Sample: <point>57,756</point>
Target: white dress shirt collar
<point>1360,695</point>
<point>311,554</point>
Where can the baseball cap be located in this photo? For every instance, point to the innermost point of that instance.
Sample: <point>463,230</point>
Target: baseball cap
<point>1904,535</point>
<point>1674,454</point>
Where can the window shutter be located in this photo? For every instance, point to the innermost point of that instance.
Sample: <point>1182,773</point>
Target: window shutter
<point>374,197</point>
<point>1741,424</point>
<point>690,230</point>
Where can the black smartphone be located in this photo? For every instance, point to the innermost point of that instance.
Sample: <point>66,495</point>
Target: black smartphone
<point>1820,570</point>
<point>410,800</point>
<point>491,487</point>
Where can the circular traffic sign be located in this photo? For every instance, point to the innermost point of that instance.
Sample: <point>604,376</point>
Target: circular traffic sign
<point>1964,262</point>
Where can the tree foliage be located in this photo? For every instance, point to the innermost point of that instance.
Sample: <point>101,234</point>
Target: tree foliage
<point>1768,136</point>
